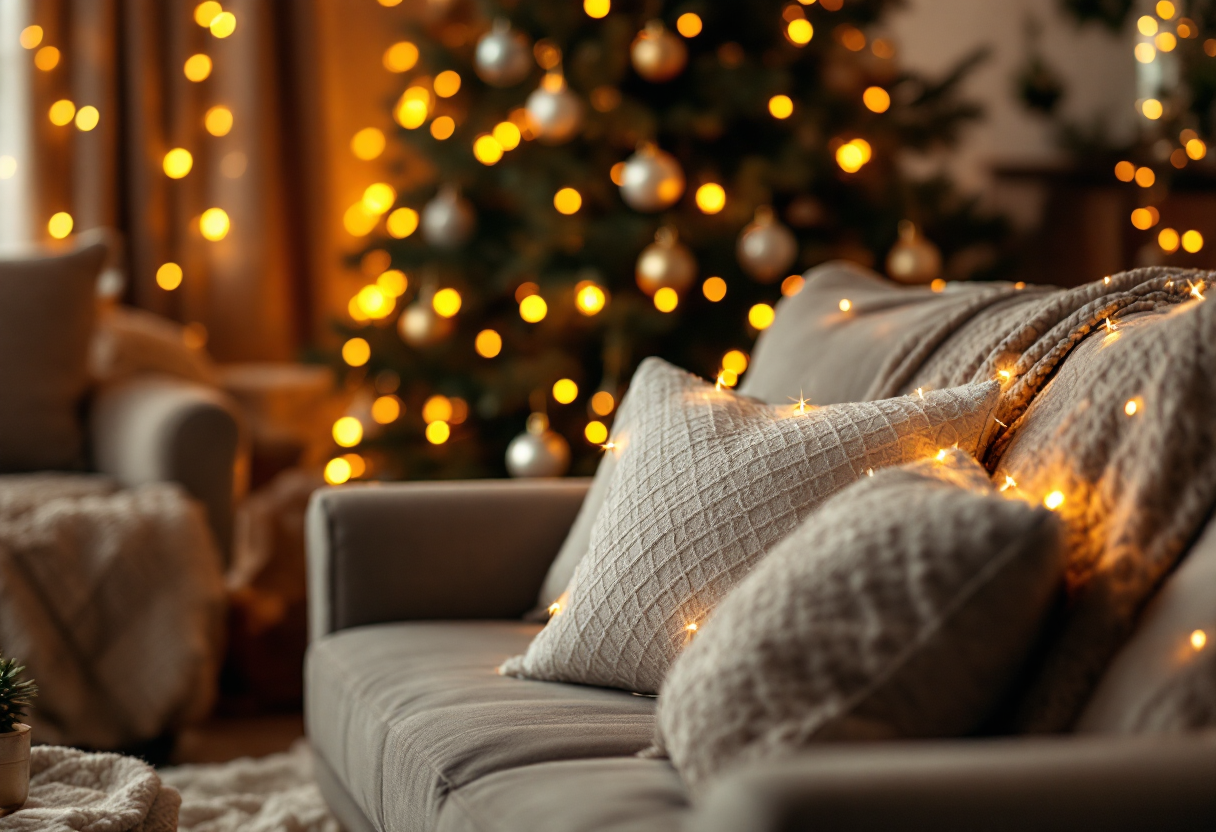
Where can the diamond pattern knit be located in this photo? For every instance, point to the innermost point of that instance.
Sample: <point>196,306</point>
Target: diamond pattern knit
<point>706,482</point>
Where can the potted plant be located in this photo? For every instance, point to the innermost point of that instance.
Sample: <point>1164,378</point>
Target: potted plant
<point>15,696</point>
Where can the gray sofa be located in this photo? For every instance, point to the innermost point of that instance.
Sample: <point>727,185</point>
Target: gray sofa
<point>417,592</point>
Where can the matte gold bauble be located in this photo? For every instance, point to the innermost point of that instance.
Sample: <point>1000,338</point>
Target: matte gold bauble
<point>554,112</point>
<point>665,263</point>
<point>913,259</point>
<point>538,451</point>
<point>652,180</point>
<point>657,54</point>
<point>766,248</point>
<point>448,220</point>
<point>504,56</point>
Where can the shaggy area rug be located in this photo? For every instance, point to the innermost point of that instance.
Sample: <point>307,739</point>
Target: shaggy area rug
<point>270,794</point>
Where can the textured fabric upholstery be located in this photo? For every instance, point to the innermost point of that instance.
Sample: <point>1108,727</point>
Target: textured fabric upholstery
<point>1016,785</point>
<point>404,714</point>
<point>614,794</point>
<point>420,550</point>
<point>155,429</point>
<point>47,311</point>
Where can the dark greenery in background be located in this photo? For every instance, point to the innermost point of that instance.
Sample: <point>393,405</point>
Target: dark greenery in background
<point>713,117</point>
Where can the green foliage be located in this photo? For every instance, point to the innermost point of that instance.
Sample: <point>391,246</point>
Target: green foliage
<point>16,694</point>
<point>713,117</point>
<point>1110,13</point>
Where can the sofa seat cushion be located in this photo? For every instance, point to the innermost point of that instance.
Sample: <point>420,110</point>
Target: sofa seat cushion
<point>406,713</point>
<point>614,794</point>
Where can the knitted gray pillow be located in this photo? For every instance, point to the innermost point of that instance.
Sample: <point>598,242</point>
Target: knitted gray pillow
<point>902,608</point>
<point>706,482</point>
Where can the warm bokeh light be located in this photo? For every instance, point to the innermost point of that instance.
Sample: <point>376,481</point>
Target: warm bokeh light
<point>413,108</point>
<point>850,157</point>
<point>218,121</point>
<point>617,174</point>
<point>714,289</point>
<point>367,144</point>
<point>8,167</point>
<point>596,433</point>
<point>1054,500</point>
<point>446,302</point>
<point>60,225</point>
<point>393,282</point>
<point>938,285</point>
<point>379,197</point>
<point>533,309</point>
<point>223,25</point>
<point>1152,109</point>
<point>781,106</point>
<point>1192,241</point>
<point>402,223</point>
<point>62,112</point>
<point>30,37</point>
<point>1165,10</point>
<point>666,299</point>
<point>1145,53</point>
<point>438,432</point>
<point>214,224</point>
<point>1131,407</point>
<point>602,403</point>
<point>197,68</point>
<point>46,58</point>
<point>1144,218</point>
<point>845,305</point>
<point>1147,25</point>
<point>348,432</point>
<point>358,465</point>
<point>373,302</point>
<point>525,289</point>
<point>711,198</point>
<point>169,276</point>
<point>565,391</point>
<point>1145,177</point>
<point>1198,639</point>
<point>337,471</point>
<point>1196,149</point>
<point>567,201</point>
<point>358,221</point>
<point>401,57</point>
<point>356,352</point>
<point>386,409</point>
<point>735,361</point>
<point>689,24</point>
<point>437,409</point>
<point>792,285</point>
<point>206,12</point>
<point>507,135</point>
<point>488,343</point>
<point>727,378</point>
<point>800,32</point>
<point>1165,42</point>
<point>487,150</point>
<point>1125,171</point>
<point>597,8</point>
<point>443,127</point>
<point>876,99</point>
<point>447,83</point>
<point>87,118</point>
<point>760,316</point>
<point>1168,239</point>
<point>177,163</point>
<point>589,298</point>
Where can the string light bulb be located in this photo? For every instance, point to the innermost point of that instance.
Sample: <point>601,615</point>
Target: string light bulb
<point>845,305</point>
<point>595,432</point>
<point>1199,639</point>
<point>488,343</point>
<point>60,225</point>
<point>356,352</point>
<point>223,25</point>
<point>337,471</point>
<point>1009,483</point>
<point>169,276</point>
<point>711,198</point>
<point>1054,500</point>
<point>348,431</point>
<point>386,409</point>
<point>714,289</point>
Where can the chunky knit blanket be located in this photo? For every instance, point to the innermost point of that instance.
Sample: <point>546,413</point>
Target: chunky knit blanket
<point>112,598</point>
<point>1137,490</point>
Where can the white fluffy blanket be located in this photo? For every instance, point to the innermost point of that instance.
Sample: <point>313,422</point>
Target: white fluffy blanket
<point>271,794</point>
<point>113,599</point>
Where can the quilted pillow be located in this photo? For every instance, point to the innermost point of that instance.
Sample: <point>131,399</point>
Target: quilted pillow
<point>902,608</point>
<point>706,482</point>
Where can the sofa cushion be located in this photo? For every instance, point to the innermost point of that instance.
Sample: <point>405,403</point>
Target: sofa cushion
<point>614,794</point>
<point>47,309</point>
<point>406,713</point>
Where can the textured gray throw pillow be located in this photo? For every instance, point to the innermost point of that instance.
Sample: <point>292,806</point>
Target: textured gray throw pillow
<point>901,608</point>
<point>706,482</point>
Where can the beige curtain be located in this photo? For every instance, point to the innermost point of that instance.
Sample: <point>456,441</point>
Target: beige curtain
<point>127,58</point>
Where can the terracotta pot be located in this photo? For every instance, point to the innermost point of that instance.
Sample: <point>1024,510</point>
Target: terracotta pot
<point>14,769</point>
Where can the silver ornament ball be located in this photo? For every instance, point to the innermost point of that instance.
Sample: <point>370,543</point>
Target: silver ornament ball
<point>657,54</point>
<point>652,180</point>
<point>420,326</point>
<point>504,56</point>
<point>448,219</point>
<point>665,264</point>
<point>913,259</point>
<point>556,114</point>
<point>766,248</point>
<point>538,452</point>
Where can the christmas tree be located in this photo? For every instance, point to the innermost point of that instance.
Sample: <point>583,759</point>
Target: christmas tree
<point>591,184</point>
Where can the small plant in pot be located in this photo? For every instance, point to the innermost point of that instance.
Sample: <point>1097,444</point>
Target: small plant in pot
<point>16,695</point>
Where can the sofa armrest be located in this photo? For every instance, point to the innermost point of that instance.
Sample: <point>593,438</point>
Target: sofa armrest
<point>433,550</point>
<point>1044,784</point>
<point>160,429</point>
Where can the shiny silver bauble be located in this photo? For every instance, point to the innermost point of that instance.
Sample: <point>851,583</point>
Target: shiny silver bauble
<point>448,220</point>
<point>504,55</point>
<point>665,264</point>
<point>538,452</point>
<point>554,112</point>
<point>652,180</point>
<point>657,54</point>
<point>766,248</point>
<point>913,259</point>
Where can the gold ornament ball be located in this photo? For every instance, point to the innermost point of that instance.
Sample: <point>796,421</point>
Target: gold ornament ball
<point>420,326</point>
<point>766,248</point>
<point>504,56</point>
<point>448,220</point>
<point>665,263</point>
<point>538,451</point>
<point>657,54</point>
<point>913,259</point>
<point>652,180</point>
<point>556,114</point>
